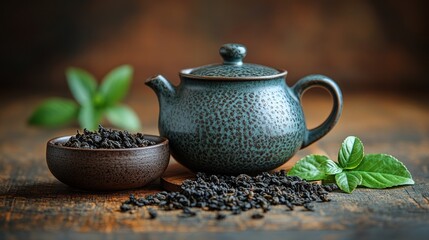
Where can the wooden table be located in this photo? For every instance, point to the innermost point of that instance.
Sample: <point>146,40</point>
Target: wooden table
<point>34,205</point>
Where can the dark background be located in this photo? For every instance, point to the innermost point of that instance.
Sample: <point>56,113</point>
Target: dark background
<point>363,45</point>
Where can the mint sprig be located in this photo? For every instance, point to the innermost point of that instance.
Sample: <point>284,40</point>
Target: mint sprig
<point>93,102</point>
<point>351,153</point>
<point>354,168</point>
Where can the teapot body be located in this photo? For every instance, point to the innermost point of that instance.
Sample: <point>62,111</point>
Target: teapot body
<point>236,117</point>
<point>232,127</point>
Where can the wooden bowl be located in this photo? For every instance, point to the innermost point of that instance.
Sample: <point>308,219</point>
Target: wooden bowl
<point>107,169</point>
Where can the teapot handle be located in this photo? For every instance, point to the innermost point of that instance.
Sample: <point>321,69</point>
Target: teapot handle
<point>305,83</point>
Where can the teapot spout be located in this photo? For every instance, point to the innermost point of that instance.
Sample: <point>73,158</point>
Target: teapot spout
<point>162,87</point>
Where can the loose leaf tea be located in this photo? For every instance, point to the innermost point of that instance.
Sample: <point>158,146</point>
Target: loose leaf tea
<point>354,168</point>
<point>236,194</point>
<point>107,139</point>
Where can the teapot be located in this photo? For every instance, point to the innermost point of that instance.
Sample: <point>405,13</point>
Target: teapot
<point>236,117</point>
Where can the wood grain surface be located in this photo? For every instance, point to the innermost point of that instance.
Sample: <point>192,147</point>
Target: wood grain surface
<point>34,205</point>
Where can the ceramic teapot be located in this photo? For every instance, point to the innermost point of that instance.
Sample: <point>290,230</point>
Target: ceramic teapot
<point>236,117</point>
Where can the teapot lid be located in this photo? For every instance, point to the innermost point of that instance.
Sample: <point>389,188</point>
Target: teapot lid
<point>233,67</point>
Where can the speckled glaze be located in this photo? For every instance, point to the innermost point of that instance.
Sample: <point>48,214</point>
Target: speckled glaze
<point>237,118</point>
<point>107,169</point>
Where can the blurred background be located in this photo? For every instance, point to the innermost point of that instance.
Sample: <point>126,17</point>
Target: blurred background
<point>363,45</point>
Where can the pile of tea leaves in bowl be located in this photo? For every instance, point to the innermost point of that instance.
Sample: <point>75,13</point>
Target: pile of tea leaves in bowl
<point>235,194</point>
<point>106,139</point>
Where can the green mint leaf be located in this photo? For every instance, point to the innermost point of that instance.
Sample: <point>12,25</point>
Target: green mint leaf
<point>54,112</point>
<point>310,168</point>
<point>115,85</point>
<point>331,168</point>
<point>351,153</point>
<point>382,171</point>
<point>98,100</point>
<point>348,181</point>
<point>123,117</point>
<point>329,179</point>
<point>82,85</point>
<point>89,117</point>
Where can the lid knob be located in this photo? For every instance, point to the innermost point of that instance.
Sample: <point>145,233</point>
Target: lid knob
<point>232,53</point>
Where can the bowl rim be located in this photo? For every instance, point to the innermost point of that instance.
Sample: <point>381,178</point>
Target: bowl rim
<point>51,143</point>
